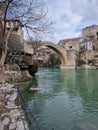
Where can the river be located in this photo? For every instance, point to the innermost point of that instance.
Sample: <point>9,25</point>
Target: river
<point>67,99</point>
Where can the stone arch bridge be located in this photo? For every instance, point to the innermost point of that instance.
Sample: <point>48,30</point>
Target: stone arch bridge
<point>59,50</point>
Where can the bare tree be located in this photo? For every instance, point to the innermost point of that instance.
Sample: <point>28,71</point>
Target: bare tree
<point>30,13</point>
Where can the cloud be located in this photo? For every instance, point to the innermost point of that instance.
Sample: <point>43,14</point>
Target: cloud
<point>87,9</point>
<point>70,16</point>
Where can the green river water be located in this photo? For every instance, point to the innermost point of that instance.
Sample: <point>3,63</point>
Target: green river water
<point>67,99</point>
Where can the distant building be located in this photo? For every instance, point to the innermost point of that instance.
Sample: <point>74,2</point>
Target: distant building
<point>89,38</point>
<point>86,45</point>
<point>90,32</point>
<point>72,47</point>
<point>42,56</point>
<point>70,44</point>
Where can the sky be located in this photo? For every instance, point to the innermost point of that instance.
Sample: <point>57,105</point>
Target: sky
<point>69,17</point>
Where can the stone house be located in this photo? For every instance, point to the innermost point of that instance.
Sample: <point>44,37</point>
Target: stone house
<point>86,45</point>
<point>72,48</point>
<point>16,26</point>
<point>16,40</point>
<point>70,44</point>
<point>86,52</point>
<point>90,31</point>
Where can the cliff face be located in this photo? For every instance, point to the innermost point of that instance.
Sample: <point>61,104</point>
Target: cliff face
<point>19,57</point>
<point>20,65</point>
<point>14,74</point>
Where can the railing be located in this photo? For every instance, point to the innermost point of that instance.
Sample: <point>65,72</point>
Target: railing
<point>32,123</point>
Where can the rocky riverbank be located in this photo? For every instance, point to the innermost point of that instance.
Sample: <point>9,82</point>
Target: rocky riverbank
<point>11,115</point>
<point>14,74</point>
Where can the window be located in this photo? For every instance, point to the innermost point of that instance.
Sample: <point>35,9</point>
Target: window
<point>8,24</point>
<point>16,29</point>
<point>97,33</point>
<point>70,47</point>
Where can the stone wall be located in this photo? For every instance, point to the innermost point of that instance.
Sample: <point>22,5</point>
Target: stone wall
<point>14,74</point>
<point>28,48</point>
<point>87,57</point>
<point>90,55</point>
<point>71,58</point>
<point>20,58</point>
<point>15,43</point>
<point>90,31</point>
<point>70,44</point>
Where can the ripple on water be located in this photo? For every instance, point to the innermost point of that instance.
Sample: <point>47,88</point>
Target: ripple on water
<point>68,100</point>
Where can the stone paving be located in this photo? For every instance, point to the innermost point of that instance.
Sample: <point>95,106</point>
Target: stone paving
<point>10,113</point>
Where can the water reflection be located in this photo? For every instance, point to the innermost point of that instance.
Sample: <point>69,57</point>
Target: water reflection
<point>25,87</point>
<point>68,98</point>
<point>32,84</point>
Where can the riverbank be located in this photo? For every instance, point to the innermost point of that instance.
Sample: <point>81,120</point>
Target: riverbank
<point>11,115</point>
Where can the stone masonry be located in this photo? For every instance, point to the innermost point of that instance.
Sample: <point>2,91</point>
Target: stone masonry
<point>10,114</point>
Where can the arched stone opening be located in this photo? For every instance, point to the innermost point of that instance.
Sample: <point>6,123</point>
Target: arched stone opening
<point>60,51</point>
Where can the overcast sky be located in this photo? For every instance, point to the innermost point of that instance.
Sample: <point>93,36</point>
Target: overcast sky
<point>70,16</point>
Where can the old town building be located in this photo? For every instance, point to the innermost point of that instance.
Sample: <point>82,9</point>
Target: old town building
<point>41,56</point>
<point>72,47</point>
<point>70,44</point>
<point>16,41</point>
<point>90,32</point>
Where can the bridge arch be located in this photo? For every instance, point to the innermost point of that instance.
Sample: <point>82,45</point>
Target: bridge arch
<point>59,50</point>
